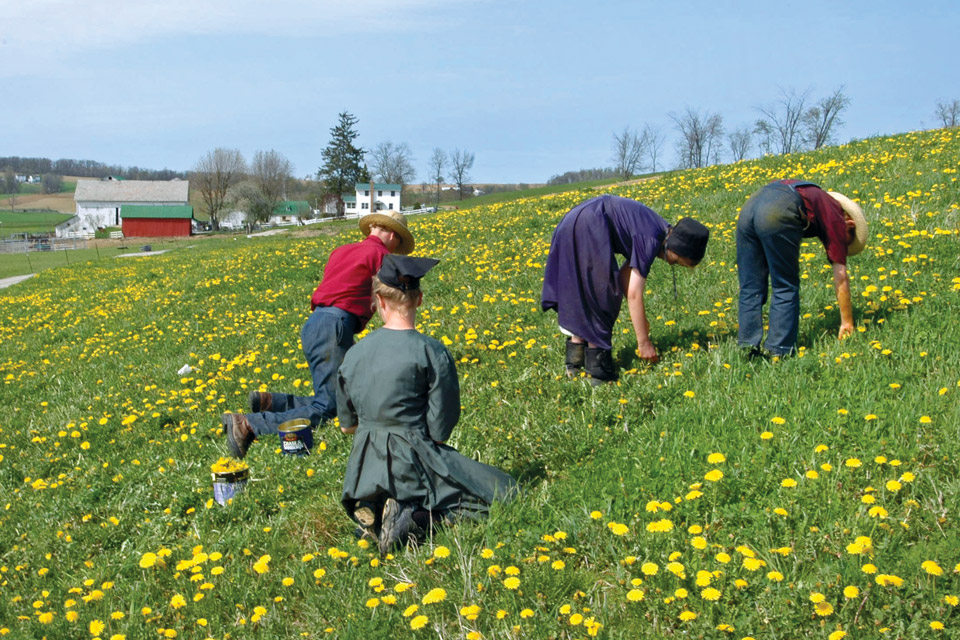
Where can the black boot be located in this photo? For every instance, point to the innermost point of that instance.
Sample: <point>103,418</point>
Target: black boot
<point>575,357</point>
<point>599,364</point>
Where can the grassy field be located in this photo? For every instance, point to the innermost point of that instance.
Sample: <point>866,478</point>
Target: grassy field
<point>11,223</point>
<point>533,192</point>
<point>18,264</point>
<point>32,198</point>
<point>707,496</point>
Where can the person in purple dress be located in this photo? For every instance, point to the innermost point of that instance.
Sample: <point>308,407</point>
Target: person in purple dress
<point>584,283</point>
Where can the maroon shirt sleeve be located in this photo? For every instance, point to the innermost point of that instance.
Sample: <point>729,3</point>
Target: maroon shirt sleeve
<point>347,278</point>
<point>827,222</point>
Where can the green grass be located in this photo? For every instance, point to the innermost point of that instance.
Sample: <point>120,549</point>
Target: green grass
<point>534,192</point>
<point>105,450</point>
<point>11,223</point>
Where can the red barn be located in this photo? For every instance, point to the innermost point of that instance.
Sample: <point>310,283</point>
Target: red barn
<point>155,221</point>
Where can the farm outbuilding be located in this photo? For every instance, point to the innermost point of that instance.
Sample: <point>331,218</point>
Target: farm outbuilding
<point>146,221</point>
<point>99,201</point>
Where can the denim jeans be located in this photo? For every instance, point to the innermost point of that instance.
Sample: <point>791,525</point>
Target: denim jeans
<point>769,232</point>
<point>326,336</point>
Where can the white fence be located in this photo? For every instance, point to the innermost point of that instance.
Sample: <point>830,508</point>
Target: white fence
<point>354,216</point>
<point>25,245</point>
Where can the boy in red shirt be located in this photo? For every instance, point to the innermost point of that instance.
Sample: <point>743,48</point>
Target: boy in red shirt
<point>341,308</point>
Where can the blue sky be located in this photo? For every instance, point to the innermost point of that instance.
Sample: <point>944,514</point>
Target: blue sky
<point>533,89</point>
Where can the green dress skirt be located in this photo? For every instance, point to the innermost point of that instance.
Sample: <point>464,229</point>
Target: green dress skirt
<point>401,390</point>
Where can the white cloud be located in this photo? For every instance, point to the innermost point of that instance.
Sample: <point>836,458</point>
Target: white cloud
<point>33,32</point>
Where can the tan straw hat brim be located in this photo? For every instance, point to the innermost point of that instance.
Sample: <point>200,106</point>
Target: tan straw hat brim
<point>393,220</point>
<point>853,210</point>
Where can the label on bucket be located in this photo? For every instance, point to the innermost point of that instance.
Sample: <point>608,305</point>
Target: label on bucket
<point>296,437</point>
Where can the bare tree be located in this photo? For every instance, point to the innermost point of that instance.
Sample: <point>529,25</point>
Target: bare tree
<point>700,137</point>
<point>270,172</point>
<point>740,141</point>
<point>948,113</point>
<point>628,148</point>
<point>654,138</point>
<point>460,164</point>
<point>52,183</point>
<point>11,186</point>
<point>214,175</point>
<point>438,166</point>
<point>393,164</point>
<point>781,121</point>
<point>822,119</point>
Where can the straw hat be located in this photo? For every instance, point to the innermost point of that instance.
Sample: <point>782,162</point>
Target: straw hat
<point>853,210</point>
<point>394,221</point>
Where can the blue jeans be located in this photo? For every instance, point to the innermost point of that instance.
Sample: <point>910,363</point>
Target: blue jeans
<point>326,336</point>
<point>769,232</point>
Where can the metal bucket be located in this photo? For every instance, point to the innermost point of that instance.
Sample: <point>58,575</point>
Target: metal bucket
<point>296,437</point>
<point>227,484</point>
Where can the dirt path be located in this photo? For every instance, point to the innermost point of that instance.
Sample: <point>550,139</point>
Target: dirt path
<point>7,282</point>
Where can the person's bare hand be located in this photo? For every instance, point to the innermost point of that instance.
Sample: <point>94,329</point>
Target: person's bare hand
<point>648,352</point>
<point>846,330</point>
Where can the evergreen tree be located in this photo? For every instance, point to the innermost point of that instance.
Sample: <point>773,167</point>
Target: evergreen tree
<point>343,165</point>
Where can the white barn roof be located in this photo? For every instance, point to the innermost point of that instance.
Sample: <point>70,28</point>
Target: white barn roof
<point>132,191</point>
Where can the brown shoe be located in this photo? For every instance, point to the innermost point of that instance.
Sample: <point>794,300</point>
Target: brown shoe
<point>260,401</point>
<point>239,433</point>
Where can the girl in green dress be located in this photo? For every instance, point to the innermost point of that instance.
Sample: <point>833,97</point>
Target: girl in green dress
<point>398,394</point>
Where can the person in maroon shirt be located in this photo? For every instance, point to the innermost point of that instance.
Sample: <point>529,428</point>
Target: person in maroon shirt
<point>770,228</point>
<point>341,307</point>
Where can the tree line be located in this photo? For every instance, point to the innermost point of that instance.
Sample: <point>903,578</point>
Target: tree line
<point>224,179</point>
<point>83,169</point>
<point>791,123</point>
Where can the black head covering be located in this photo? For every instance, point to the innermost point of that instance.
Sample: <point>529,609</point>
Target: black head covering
<point>404,272</point>
<point>689,239</point>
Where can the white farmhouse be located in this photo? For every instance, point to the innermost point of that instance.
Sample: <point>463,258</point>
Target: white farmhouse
<point>380,196</point>
<point>99,201</point>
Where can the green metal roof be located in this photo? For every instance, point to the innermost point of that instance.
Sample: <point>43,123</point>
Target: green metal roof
<point>349,198</point>
<point>365,186</point>
<point>156,211</point>
<point>291,207</point>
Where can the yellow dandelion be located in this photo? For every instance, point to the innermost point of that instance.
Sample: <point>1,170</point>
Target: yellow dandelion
<point>710,594</point>
<point>419,622</point>
<point>714,475</point>
<point>434,595</point>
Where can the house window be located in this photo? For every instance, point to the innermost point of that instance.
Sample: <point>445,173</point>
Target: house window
<point>379,193</point>
<point>366,205</point>
<point>367,192</point>
<point>351,205</point>
<point>393,193</point>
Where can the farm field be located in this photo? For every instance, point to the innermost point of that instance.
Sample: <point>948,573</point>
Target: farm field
<point>706,496</point>
<point>32,199</point>
<point>11,223</point>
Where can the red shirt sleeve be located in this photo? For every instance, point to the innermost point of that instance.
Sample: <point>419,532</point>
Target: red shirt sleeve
<point>827,222</point>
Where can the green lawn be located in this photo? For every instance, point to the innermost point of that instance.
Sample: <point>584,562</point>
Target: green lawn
<point>535,192</point>
<point>707,496</point>
<point>11,223</point>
